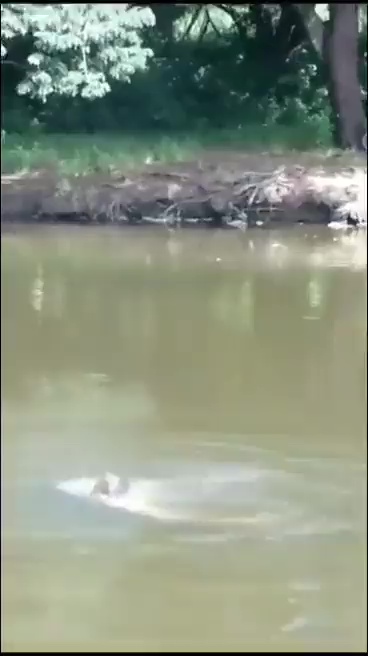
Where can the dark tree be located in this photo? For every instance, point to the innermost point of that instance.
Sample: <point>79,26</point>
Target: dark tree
<point>341,59</point>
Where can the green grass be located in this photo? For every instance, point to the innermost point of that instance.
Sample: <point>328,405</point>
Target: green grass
<point>71,154</point>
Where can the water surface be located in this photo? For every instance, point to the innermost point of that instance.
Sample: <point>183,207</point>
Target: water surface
<point>225,374</point>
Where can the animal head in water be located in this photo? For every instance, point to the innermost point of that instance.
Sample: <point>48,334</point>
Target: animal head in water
<point>109,485</point>
<point>101,487</point>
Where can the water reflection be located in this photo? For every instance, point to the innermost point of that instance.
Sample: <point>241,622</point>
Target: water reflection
<point>213,364</point>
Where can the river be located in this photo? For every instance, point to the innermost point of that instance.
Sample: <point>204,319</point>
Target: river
<point>223,374</point>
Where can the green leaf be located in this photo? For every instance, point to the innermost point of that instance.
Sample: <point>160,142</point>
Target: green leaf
<point>78,46</point>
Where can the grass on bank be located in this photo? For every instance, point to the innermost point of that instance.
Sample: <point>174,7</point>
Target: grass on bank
<point>72,154</point>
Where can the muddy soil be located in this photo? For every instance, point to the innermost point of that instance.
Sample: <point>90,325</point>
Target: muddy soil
<point>222,189</point>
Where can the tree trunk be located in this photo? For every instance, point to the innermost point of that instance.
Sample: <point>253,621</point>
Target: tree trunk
<point>341,58</point>
<point>334,115</point>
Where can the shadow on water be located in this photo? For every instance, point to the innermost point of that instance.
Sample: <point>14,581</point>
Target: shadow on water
<point>224,375</point>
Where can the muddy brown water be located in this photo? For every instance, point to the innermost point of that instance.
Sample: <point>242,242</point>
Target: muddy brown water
<point>225,373</point>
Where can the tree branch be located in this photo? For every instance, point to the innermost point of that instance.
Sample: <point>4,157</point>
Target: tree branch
<point>314,26</point>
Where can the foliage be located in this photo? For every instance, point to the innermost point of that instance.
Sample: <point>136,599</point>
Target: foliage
<point>13,23</point>
<point>92,67</point>
<point>79,46</point>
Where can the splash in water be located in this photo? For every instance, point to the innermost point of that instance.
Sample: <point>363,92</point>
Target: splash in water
<point>159,499</point>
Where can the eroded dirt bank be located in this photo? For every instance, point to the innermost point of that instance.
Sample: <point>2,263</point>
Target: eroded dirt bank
<point>229,190</point>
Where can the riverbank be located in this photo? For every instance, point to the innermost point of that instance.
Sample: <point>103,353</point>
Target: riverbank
<point>222,189</point>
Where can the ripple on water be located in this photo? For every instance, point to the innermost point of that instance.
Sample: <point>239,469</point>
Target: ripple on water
<point>265,501</point>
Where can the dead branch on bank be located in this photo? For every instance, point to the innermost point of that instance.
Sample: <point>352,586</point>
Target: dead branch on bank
<point>220,194</point>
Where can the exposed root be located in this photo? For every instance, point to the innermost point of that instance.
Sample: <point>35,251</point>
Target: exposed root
<point>198,193</point>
